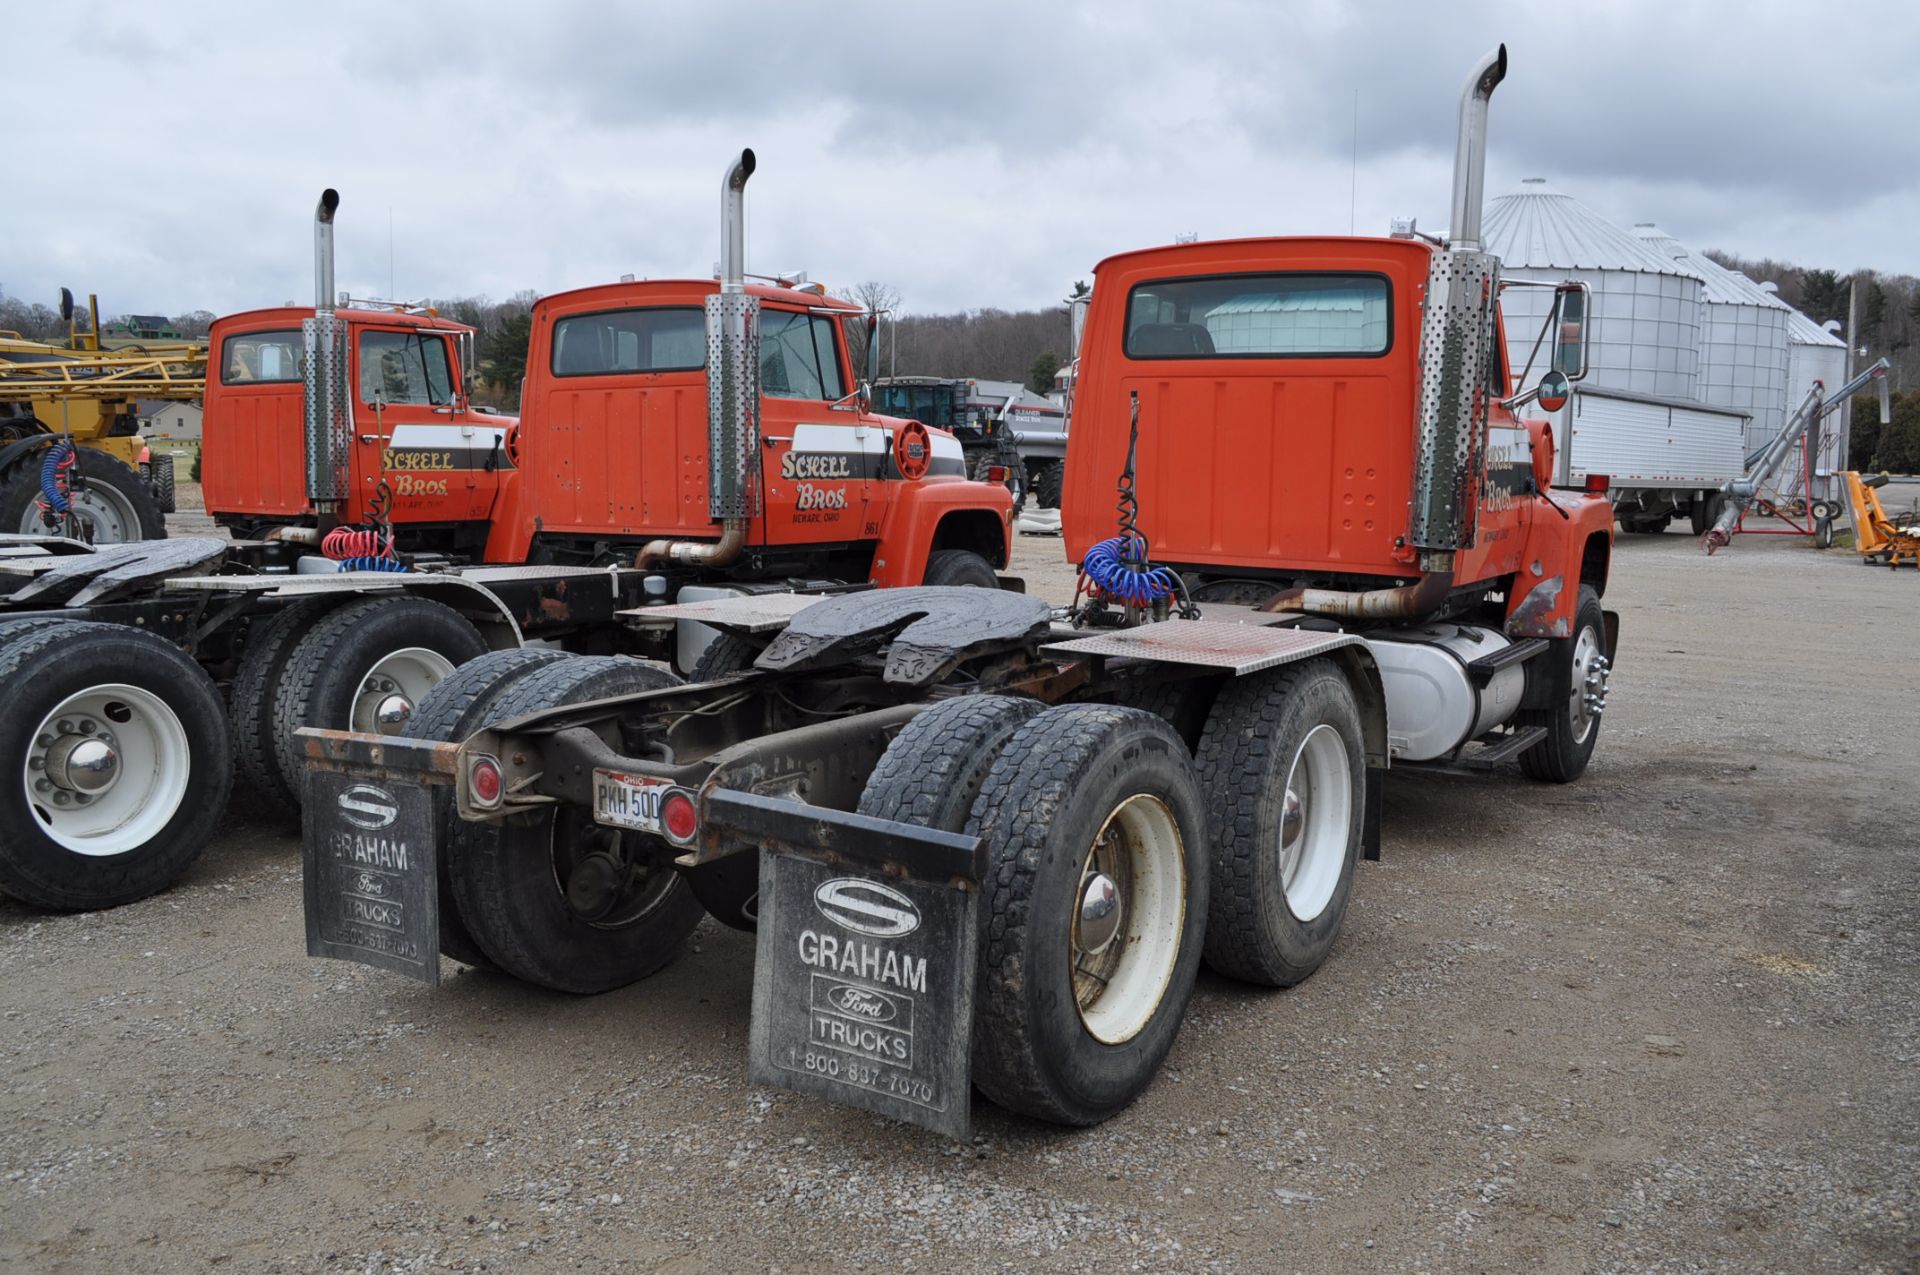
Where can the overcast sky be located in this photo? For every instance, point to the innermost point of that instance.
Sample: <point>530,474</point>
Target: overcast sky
<point>169,156</point>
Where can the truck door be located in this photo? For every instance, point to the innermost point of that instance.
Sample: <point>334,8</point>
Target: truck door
<point>820,461</point>
<point>412,432</point>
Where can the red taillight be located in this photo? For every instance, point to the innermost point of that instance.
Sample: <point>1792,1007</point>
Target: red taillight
<point>483,781</point>
<point>1596,484</point>
<point>679,817</point>
<point>996,473</point>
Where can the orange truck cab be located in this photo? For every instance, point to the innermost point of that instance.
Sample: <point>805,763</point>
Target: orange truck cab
<point>1279,386</point>
<point>707,431</point>
<point>418,456</point>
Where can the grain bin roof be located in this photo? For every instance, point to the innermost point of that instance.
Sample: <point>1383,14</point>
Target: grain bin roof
<point>1723,286</point>
<point>1540,227</point>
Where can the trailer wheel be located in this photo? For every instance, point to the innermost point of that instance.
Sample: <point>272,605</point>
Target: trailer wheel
<point>1049,483</point>
<point>553,898</point>
<point>250,696</point>
<point>1286,772</point>
<point>959,568</point>
<point>1697,513</point>
<point>933,769</point>
<point>114,504</point>
<point>121,761</point>
<point>1093,910</point>
<point>453,710</point>
<point>365,666</point>
<point>1577,672</point>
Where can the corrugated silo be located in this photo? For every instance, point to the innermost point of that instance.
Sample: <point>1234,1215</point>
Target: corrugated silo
<point>1815,353</point>
<point>1645,333</point>
<point>1743,347</point>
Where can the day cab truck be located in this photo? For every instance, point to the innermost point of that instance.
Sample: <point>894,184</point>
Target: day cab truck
<point>986,841</point>
<point>680,440</point>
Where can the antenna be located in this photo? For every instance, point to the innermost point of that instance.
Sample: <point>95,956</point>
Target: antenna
<point>390,288</point>
<point>1353,171</point>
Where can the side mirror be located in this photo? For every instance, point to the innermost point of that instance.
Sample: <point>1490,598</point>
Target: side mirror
<point>1555,390</point>
<point>66,305</point>
<point>1570,305</point>
<point>873,353</point>
<point>1077,324</point>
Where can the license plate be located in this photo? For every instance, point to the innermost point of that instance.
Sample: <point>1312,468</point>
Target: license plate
<point>628,801</point>
<point>863,990</point>
<point>371,872</point>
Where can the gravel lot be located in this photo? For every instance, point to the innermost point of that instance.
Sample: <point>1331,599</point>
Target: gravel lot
<point>1661,1019</point>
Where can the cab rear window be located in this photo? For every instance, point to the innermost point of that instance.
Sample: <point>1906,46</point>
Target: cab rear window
<point>617,342</point>
<point>262,358</point>
<point>1293,315</point>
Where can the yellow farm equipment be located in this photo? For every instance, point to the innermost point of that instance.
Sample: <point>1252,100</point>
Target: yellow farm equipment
<point>72,461</point>
<point>1879,538</point>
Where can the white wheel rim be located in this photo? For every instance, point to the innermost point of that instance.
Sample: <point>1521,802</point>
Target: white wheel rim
<point>1121,971</point>
<point>1587,695</point>
<point>105,516</point>
<point>384,701</point>
<point>96,803</point>
<point>1316,817</point>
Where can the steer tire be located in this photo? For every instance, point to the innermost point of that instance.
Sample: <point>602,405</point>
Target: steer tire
<point>453,710</point>
<point>959,568</point>
<point>270,640</point>
<point>934,768</point>
<point>1067,776</point>
<point>1274,917</point>
<point>507,876</point>
<point>326,667</point>
<point>1562,756</point>
<point>1049,483</point>
<point>171,741</point>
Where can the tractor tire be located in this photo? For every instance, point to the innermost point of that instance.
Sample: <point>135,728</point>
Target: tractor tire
<point>1286,772</point>
<point>80,832</point>
<point>376,656</point>
<point>1049,483</point>
<point>250,697</point>
<point>726,655</point>
<point>959,568</point>
<point>934,768</point>
<point>115,504</point>
<point>1093,911</point>
<point>1572,727</point>
<point>513,880</point>
<point>453,710</point>
<point>160,478</point>
<point>1016,480</point>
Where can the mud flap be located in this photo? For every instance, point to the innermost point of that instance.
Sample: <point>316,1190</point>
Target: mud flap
<point>863,988</point>
<point>372,872</point>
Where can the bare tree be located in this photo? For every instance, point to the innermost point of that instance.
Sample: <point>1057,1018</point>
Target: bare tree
<point>881,299</point>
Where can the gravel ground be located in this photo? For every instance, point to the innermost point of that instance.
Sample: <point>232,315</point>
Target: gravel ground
<point>1661,1019</point>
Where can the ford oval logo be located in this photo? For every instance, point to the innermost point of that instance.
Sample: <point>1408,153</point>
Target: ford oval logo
<point>867,907</point>
<point>368,807</point>
<point>858,1002</point>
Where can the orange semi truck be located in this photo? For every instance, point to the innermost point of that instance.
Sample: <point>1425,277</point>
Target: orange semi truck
<point>987,842</point>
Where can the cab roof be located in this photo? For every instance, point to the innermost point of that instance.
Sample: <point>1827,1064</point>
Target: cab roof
<point>643,289</point>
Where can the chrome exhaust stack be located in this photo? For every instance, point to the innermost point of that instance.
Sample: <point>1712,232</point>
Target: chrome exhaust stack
<point>1456,334</point>
<point>733,394</point>
<point>1470,150</point>
<point>326,426</point>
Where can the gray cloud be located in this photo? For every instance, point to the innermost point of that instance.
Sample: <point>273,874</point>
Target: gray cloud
<point>986,158</point>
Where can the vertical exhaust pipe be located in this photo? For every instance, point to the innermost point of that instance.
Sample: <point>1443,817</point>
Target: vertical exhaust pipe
<point>733,394</point>
<point>327,427</point>
<point>1470,150</point>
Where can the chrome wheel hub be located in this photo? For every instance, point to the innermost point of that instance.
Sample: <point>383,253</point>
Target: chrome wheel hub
<point>1100,914</point>
<point>1587,693</point>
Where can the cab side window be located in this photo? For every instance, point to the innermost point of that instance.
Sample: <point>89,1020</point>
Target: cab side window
<point>405,368</point>
<point>798,357</point>
<point>260,358</point>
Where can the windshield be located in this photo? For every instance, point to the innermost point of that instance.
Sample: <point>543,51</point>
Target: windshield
<point>405,367</point>
<point>928,404</point>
